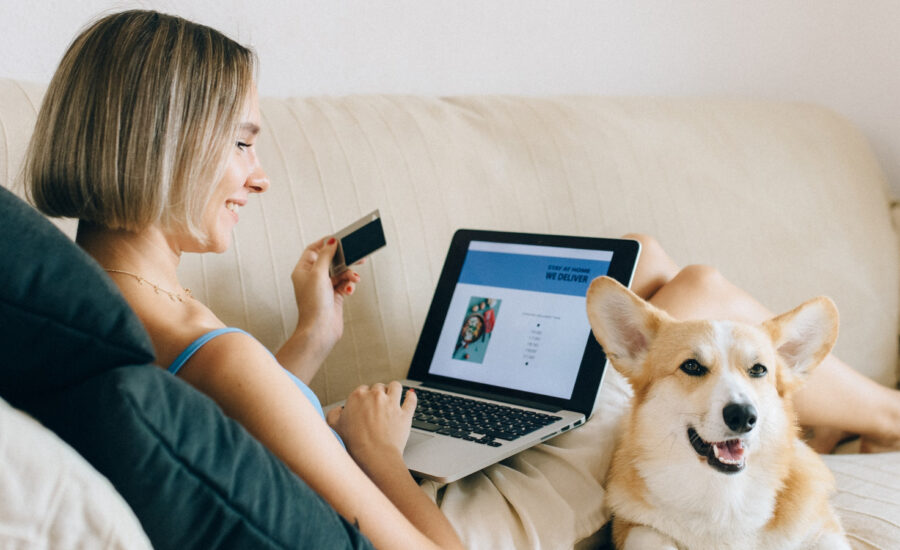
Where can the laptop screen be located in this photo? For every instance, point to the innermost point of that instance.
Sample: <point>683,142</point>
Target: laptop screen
<point>508,319</point>
<point>517,317</point>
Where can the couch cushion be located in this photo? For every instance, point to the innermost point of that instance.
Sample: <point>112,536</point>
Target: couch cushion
<point>866,498</point>
<point>194,477</point>
<point>52,498</point>
<point>61,318</point>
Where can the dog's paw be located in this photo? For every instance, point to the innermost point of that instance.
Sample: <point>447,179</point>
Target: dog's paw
<point>641,537</point>
<point>831,541</point>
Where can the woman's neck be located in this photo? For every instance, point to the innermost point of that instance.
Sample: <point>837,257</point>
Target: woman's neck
<point>148,253</point>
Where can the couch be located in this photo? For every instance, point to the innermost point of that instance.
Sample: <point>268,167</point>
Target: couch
<point>786,199</point>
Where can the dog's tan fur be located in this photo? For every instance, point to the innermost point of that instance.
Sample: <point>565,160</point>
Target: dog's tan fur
<point>662,491</point>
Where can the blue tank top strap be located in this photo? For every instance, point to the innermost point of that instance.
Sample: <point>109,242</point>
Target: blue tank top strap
<point>199,342</point>
<point>196,345</point>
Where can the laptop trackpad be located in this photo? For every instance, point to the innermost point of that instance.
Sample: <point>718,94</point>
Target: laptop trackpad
<point>417,438</point>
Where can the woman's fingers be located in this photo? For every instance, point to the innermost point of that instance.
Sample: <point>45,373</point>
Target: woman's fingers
<point>345,283</point>
<point>409,404</point>
<point>326,253</point>
<point>333,416</point>
<point>348,276</point>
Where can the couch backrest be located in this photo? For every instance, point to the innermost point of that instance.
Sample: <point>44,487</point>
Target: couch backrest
<point>786,199</point>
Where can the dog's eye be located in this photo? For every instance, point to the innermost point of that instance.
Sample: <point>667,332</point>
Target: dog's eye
<point>757,371</point>
<point>693,368</point>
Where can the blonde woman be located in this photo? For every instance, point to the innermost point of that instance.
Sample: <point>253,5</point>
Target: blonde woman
<point>146,135</point>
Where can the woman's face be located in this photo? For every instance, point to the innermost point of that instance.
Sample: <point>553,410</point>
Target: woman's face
<point>243,176</point>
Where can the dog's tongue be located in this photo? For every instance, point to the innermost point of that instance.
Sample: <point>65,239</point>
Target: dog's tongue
<point>731,450</point>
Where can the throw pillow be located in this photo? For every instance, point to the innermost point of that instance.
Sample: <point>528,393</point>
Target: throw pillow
<point>52,498</point>
<point>194,477</point>
<point>61,318</point>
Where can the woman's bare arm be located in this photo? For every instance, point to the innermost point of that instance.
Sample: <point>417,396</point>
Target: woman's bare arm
<point>251,387</point>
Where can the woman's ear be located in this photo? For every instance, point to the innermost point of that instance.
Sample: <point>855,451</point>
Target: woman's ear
<point>805,335</point>
<point>623,323</point>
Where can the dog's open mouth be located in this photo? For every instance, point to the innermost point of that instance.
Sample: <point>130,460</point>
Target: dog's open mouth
<point>726,456</point>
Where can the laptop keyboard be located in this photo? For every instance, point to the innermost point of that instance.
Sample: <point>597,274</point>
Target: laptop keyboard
<point>474,420</point>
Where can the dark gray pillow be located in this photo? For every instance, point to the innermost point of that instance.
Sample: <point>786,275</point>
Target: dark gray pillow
<point>194,477</point>
<point>61,318</point>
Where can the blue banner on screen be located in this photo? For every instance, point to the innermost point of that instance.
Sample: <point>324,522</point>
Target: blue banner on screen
<point>517,317</point>
<point>551,274</point>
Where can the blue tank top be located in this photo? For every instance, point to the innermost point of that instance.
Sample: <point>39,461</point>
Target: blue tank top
<point>199,342</point>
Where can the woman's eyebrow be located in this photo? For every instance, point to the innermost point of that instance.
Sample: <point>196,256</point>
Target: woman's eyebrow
<point>251,127</point>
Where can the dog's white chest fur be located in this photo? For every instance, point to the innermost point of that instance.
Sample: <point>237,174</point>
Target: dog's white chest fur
<point>726,516</point>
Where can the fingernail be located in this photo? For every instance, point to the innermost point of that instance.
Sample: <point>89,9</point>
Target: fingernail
<point>349,290</point>
<point>331,240</point>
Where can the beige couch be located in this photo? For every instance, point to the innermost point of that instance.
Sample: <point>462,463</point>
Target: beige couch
<point>786,199</point>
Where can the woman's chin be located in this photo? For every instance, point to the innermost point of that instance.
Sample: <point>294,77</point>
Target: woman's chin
<point>216,243</point>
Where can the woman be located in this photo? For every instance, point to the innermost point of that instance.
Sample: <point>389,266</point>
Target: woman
<point>147,135</point>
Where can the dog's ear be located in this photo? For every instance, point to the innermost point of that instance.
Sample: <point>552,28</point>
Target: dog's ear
<point>623,323</point>
<point>805,335</point>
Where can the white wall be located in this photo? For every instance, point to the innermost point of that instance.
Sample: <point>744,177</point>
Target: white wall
<point>844,54</point>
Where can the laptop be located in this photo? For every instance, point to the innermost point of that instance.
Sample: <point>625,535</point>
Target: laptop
<point>506,358</point>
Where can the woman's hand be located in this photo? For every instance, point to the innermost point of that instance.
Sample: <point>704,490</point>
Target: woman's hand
<point>375,427</point>
<point>320,301</point>
<point>373,423</point>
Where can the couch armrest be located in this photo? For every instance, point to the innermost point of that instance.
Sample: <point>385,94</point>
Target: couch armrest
<point>895,216</point>
<point>895,212</point>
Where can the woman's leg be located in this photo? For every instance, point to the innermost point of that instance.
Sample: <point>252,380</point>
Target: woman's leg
<point>836,401</point>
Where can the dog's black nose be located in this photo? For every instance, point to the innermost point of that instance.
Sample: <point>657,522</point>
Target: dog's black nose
<point>740,417</point>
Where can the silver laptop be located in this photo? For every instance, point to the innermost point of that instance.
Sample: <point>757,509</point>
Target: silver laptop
<point>506,358</point>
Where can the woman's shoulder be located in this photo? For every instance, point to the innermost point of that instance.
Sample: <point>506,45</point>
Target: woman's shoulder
<point>175,328</point>
<point>213,355</point>
<point>190,334</point>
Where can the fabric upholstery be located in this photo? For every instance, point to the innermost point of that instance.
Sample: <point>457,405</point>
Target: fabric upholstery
<point>61,318</point>
<point>866,499</point>
<point>194,477</point>
<point>52,498</point>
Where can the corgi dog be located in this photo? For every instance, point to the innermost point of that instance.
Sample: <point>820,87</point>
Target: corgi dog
<point>709,455</point>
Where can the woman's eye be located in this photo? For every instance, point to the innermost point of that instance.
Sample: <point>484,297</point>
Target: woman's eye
<point>693,368</point>
<point>757,371</point>
<point>242,145</point>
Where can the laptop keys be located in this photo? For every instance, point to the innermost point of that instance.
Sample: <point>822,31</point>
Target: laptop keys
<point>423,425</point>
<point>474,420</point>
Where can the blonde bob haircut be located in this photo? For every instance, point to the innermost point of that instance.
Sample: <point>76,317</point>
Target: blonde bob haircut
<point>137,123</point>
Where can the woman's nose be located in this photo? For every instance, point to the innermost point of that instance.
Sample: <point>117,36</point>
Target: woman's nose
<point>258,181</point>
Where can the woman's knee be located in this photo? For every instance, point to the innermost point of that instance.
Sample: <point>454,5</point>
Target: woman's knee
<point>649,244</point>
<point>696,292</point>
<point>654,259</point>
<point>701,277</point>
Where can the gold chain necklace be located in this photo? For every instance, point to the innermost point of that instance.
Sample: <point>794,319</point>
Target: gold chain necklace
<point>156,288</point>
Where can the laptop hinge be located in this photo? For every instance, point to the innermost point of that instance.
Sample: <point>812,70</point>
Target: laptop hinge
<point>492,396</point>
